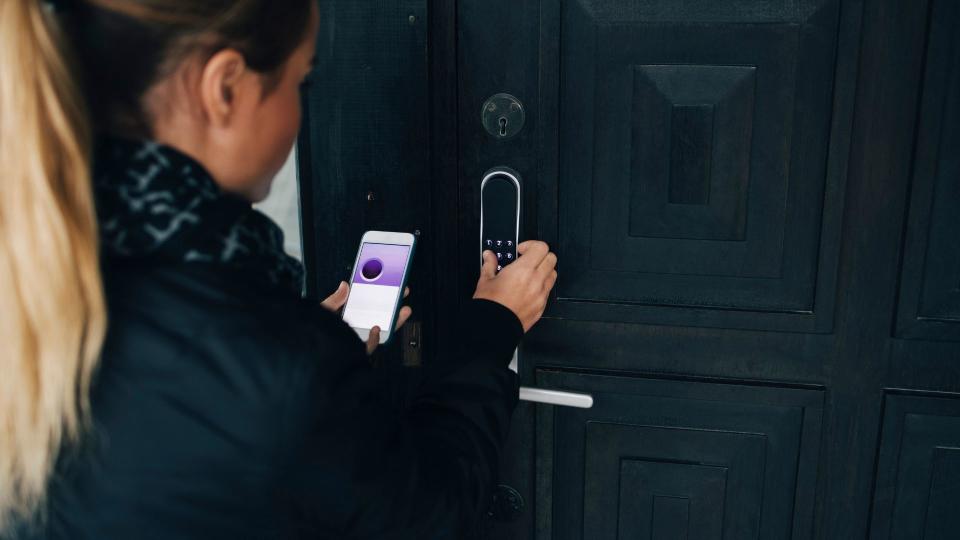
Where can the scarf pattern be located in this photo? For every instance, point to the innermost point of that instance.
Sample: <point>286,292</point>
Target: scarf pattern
<point>157,203</point>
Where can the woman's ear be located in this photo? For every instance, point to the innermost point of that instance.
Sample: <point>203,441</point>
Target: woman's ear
<point>220,83</point>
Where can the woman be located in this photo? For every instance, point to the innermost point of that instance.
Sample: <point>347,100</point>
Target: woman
<point>134,135</point>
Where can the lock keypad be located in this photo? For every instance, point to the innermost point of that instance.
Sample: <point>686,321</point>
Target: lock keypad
<point>505,250</point>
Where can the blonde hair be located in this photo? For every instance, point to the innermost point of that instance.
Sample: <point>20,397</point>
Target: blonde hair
<point>53,318</point>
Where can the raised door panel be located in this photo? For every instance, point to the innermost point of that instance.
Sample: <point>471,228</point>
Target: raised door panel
<point>670,459</point>
<point>693,184</point>
<point>672,482</point>
<point>918,474</point>
<point>930,285</point>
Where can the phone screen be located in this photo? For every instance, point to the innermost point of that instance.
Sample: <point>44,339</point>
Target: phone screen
<point>375,286</point>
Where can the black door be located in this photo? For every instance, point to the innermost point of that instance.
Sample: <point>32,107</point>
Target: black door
<point>756,208</point>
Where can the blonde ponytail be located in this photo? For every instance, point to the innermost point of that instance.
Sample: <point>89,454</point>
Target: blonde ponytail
<point>52,313</point>
<point>52,316</point>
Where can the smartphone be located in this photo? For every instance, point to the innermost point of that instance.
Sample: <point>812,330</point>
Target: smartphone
<point>376,286</point>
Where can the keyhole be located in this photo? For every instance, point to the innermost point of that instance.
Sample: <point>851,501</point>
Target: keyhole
<point>503,126</point>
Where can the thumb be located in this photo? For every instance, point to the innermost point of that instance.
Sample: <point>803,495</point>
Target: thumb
<point>489,268</point>
<point>342,289</point>
<point>339,297</point>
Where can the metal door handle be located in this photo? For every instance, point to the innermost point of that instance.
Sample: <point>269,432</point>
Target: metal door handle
<point>556,397</point>
<point>552,397</point>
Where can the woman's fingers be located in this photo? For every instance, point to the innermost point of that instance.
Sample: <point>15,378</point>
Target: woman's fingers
<point>373,340</point>
<point>339,297</point>
<point>551,280</point>
<point>547,264</point>
<point>531,253</point>
<point>404,314</point>
<point>489,268</point>
<point>336,301</point>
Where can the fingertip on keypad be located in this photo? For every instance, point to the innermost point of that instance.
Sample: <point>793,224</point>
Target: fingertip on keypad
<point>504,250</point>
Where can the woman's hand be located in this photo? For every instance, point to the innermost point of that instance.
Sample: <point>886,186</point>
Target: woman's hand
<point>523,286</point>
<point>336,301</point>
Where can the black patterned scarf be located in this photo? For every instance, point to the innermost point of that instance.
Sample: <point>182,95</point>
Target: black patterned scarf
<point>154,202</point>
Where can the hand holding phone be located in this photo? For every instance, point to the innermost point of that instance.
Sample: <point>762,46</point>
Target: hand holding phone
<point>379,278</point>
<point>335,303</point>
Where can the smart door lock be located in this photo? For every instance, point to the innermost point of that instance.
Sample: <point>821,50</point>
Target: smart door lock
<point>500,218</point>
<point>500,215</point>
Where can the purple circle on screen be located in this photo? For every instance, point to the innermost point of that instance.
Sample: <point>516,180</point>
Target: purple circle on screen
<point>372,269</point>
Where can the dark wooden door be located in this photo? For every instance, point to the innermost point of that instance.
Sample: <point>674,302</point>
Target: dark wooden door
<point>756,209</point>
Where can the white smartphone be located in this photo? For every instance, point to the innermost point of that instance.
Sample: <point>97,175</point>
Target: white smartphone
<point>376,286</point>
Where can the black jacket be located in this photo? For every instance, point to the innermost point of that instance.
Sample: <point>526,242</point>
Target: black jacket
<point>224,411</point>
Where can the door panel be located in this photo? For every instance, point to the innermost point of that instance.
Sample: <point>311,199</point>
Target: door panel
<point>930,290</point>
<point>693,162</point>
<point>918,475</point>
<point>660,457</point>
